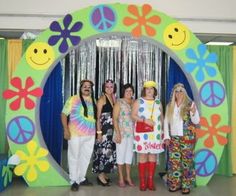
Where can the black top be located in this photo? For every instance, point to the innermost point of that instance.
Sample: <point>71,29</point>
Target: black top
<point>107,107</point>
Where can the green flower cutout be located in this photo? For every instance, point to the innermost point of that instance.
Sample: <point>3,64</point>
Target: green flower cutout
<point>6,174</point>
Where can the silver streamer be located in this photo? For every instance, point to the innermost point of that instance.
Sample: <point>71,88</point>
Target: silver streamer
<point>119,57</point>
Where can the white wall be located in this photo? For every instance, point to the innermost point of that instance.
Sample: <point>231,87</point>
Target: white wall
<point>201,16</point>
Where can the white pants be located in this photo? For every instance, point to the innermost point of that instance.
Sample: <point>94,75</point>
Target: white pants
<point>124,151</point>
<point>79,154</point>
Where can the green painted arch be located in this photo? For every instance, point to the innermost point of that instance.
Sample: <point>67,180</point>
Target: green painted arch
<point>37,166</point>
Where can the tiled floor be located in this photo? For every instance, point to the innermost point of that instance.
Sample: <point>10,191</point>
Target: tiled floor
<point>218,186</point>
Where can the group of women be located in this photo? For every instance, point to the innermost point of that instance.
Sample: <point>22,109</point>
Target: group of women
<point>126,125</point>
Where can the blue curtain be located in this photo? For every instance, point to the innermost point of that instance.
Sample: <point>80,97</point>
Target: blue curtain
<point>50,113</point>
<point>175,75</point>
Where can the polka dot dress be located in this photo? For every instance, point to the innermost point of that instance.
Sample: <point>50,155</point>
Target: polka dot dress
<point>150,142</point>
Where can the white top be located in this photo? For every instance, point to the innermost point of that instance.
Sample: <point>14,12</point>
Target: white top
<point>176,127</point>
<point>149,142</point>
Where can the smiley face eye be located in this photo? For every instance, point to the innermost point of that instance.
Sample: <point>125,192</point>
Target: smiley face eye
<point>35,51</point>
<point>45,51</point>
<point>170,36</point>
<point>176,29</point>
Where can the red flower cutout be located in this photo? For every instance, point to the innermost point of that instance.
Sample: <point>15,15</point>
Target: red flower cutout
<point>22,93</point>
<point>212,131</point>
<point>141,20</point>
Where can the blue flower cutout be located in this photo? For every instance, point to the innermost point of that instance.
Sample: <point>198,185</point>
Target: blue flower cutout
<point>65,33</point>
<point>202,62</point>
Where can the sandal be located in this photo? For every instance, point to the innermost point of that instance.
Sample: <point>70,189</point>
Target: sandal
<point>185,191</point>
<point>171,189</point>
<point>121,184</point>
<point>130,183</point>
<point>100,182</point>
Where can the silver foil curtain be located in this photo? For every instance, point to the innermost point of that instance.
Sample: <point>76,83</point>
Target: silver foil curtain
<point>121,58</point>
<point>78,64</point>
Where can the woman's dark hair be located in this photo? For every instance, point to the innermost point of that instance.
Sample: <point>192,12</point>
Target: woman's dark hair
<point>143,93</point>
<point>108,81</point>
<point>83,102</point>
<point>124,87</point>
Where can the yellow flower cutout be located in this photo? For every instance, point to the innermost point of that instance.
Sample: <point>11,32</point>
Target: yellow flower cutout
<point>32,161</point>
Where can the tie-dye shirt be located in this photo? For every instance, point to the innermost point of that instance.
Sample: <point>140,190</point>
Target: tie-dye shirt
<point>79,125</point>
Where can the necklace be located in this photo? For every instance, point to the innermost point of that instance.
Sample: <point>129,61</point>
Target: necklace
<point>127,101</point>
<point>177,113</point>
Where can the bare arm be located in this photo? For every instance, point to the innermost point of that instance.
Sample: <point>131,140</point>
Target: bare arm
<point>116,112</point>
<point>134,113</point>
<point>194,114</point>
<point>100,104</point>
<point>65,126</point>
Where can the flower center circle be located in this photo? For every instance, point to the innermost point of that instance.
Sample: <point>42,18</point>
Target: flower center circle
<point>142,20</point>
<point>23,93</point>
<point>65,33</point>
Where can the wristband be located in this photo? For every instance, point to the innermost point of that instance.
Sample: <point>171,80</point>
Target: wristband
<point>99,132</point>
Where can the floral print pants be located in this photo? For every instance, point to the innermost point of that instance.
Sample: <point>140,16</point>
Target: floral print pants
<point>181,173</point>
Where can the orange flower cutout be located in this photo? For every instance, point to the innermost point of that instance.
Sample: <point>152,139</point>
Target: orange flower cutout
<point>212,131</point>
<point>141,20</point>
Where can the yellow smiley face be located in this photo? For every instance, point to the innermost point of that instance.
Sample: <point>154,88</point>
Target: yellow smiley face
<point>176,36</point>
<point>40,55</point>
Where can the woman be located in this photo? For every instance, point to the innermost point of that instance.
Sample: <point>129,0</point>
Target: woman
<point>104,156</point>
<point>148,109</point>
<point>124,128</point>
<point>181,118</point>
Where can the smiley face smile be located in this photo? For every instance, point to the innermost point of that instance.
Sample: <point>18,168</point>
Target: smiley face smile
<point>182,41</point>
<point>40,63</point>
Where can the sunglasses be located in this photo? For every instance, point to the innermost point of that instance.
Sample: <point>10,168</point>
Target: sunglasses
<point>179,91</point>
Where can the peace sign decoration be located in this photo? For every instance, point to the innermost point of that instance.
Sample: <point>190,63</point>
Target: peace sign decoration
<point>25,89</point>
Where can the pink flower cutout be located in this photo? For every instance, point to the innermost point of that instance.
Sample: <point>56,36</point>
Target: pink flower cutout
<point>22,93</point>
<point>212,131</point>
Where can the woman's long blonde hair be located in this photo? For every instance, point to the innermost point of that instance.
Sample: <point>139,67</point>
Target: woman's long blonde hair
<point>184,106</point>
